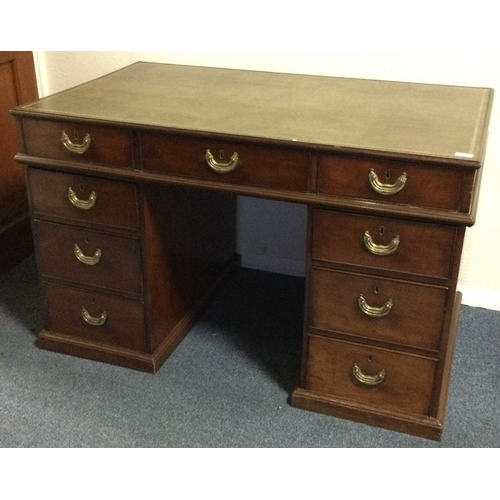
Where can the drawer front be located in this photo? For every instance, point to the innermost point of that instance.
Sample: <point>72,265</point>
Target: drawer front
<point>395,311</point>
<point>390,380</point>
<point>269,167</point>
<point>109,261</point>
<point>94,316</point>
<point>391,244</point>
<point>83,199</point>
<point>83,143</point>
<point>424,186</point>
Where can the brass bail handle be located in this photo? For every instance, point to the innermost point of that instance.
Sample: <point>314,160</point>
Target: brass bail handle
<point>91,320</point>
<point>82,204</point>
<point>89,260</point>
<point>74,147</point>
<point>374,312</point>
<point>381,250</point>
<point>367,379</point>
<point>221,167</point>
<point>386,189</point>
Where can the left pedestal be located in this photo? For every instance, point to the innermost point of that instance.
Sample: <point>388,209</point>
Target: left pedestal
<point>126,268</point>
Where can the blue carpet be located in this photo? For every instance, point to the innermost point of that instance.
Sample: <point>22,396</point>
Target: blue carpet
<point>227,385</point>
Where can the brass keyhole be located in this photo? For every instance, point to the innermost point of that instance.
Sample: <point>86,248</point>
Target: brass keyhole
<point>381,231</point>
<point>75,135</point>
<point>376,289</point>
<point>387,174</point>
<point>221,154</point>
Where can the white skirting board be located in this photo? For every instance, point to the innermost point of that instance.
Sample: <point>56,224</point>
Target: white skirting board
<point>478,297</point>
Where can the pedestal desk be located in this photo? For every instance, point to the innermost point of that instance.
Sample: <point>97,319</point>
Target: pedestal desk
<point>132,182</point>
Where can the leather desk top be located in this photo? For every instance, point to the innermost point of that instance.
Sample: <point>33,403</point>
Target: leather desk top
<point>421,121</point>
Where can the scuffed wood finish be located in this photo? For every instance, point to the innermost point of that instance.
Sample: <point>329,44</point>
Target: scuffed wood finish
<point>166,222</point>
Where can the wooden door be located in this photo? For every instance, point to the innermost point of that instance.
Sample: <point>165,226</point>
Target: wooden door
<point>17,86</point>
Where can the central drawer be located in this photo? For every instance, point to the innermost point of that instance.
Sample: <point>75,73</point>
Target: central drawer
<point>370,376</point>
<point>400,312</point>
<point>232,162</point>
<point>88,257</point>
<point>414,248</point>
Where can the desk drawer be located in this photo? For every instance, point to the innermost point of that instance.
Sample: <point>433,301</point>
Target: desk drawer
<point>425,186</point>
<point>269,167</point>
<point>95,316</point>
<point>402,382</point>
<point>84,199</point>
<point>401,312</point>
<point>112,261</point>
<point>84,143</point>
<point>415,248</point>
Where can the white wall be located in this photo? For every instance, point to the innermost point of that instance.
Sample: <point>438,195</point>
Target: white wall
<point>268,229</point>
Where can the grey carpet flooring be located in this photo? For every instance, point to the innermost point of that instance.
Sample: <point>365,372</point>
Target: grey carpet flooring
<point>227,384</point>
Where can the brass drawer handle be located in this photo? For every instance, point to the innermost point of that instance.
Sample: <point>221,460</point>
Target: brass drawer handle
<point>82,204</point>
<point>374,312</point>
<point>367,379</point>
<point>221,168</point>
<point>84,259</point>
<point>78,149</point>
<point>94,321</point>
<point>386,189</point>
<point>377,249</point>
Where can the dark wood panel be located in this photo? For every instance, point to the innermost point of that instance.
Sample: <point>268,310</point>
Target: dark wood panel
<point>17,86</point>
<point>409,423</point>
<point>88,349</point>
<point>189,240</point>
<point>16,242</point>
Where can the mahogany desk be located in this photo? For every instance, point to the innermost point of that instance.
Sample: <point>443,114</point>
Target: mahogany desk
<point>132,182</point>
